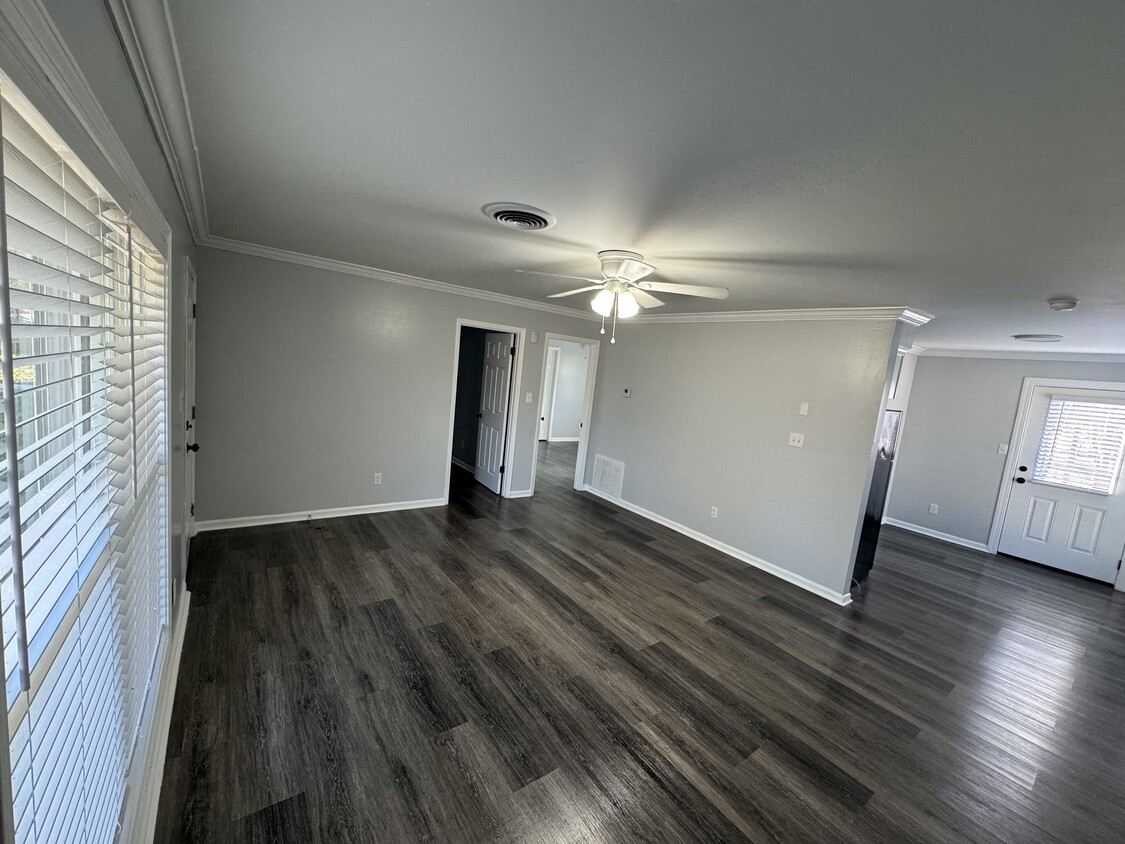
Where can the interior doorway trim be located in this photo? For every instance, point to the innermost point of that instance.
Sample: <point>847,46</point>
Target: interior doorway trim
<point>1018,433</point>
<point>513,402</point>
<point>587,405</point>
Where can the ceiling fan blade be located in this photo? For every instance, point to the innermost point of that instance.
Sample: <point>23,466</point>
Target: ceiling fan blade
<point>645,300</point>
<point>685,289</point>
<point>575,291</point>
<point>560,275</point>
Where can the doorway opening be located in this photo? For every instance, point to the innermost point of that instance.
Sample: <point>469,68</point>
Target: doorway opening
<point>1062,503</point>
<point>566,402</point>
<point>482,424</point>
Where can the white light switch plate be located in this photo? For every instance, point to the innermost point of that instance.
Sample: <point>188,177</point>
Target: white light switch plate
<point>804,411</point>
<point>797,440</point>
<point>1002,448</point>
<point>527,399</point>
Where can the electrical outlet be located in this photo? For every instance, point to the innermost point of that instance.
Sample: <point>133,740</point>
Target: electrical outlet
<point>714,512</point>
<point>378,478</point>
<point>534,336</point>
<point>796,440</point>
<point>626,392</point>
<point>934,509</point>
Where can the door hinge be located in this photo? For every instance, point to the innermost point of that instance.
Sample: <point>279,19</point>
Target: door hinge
<point>513,351</point>
<point>1119,565</point>
<point>193,310</point>
<point>193,508</point>
<point>501,470</point>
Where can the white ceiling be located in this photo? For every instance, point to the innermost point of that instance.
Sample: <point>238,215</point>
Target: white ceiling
<point>963,158</point>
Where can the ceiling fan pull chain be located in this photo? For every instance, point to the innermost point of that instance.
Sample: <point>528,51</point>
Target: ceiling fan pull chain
<point>603,325</point>
<point>613,336</point>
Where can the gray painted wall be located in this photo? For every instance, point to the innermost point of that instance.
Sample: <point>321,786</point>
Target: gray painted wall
<point>470,381</point>
<point>570,390</point>
<point>961,409</point>
<point>312,380</point>
<point>708,424</point>
<point>88,30</point>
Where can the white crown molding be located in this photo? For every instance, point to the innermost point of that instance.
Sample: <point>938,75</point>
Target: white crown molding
<point>332,265</point>
<point>986,354</point>
<point>149,41</point>
<point>41,64</point>
<point>907,315</point>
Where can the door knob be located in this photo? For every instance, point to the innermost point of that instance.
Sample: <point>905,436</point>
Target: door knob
<point>1021,480</point>
<point>193,447</point>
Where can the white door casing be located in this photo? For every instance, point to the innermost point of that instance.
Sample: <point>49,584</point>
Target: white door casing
<point>495,389</point>
<point>1072,529</point>
<point>548,403</point>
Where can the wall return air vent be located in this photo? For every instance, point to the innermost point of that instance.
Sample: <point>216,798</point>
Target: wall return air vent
<point>609,475</point>
<point>513,215</point>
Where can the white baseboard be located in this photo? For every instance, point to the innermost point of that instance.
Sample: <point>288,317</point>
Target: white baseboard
<point>457,461</point>
<point>139,825</point>
<point>523,493</point>
<point>842,599</point>
<point>563,440</point>
<point>334,513</point>
<point>936,534</point>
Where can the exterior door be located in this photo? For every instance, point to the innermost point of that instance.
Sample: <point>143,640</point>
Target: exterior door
<point>1066,508</point>
<point>495,387</point>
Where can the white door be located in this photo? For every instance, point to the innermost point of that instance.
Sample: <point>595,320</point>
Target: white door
<point>548,404</point>
<point>189,413</point>
<point>1066,508</point>
<point>495,386</point>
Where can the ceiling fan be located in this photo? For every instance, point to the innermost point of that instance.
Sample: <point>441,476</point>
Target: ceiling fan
<point>622,292</point>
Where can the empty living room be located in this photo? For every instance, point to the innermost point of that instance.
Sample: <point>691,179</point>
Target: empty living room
<point>562,422</point>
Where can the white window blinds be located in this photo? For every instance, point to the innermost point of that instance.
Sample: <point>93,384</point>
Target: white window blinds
<point>1082,445</point>
<point>83,523</point>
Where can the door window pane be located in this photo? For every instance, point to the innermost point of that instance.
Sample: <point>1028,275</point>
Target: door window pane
<point>1082,445</point>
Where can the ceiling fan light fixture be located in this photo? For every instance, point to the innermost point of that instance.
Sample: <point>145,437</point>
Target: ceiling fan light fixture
<point>603,303</point>
<point>627,305</point>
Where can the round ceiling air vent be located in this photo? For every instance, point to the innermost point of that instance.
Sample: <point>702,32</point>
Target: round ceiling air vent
<point>513,215</point>
<point>1038,338</point>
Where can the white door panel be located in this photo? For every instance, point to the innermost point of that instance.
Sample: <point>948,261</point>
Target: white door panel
<point>1066,525</point>
<point>495,387</point>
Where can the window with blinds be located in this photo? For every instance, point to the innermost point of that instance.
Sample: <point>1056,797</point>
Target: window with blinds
<point>1082,445</point>
<point>83,522</point>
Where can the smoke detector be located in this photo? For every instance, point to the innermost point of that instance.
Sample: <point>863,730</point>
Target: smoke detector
<point>1038,338</point>
<point>1063,303</point>
<point>513,215</point>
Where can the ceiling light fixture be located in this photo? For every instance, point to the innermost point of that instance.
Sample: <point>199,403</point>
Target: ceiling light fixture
<point>1038,338</point>
<point>615,300</point>
<point>1063,303</point>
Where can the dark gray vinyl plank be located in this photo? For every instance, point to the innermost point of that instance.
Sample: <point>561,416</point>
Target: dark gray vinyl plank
<point>557,669</point>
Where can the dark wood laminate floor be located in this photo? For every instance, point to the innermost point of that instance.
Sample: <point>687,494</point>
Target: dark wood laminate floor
<point>557,670</point>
